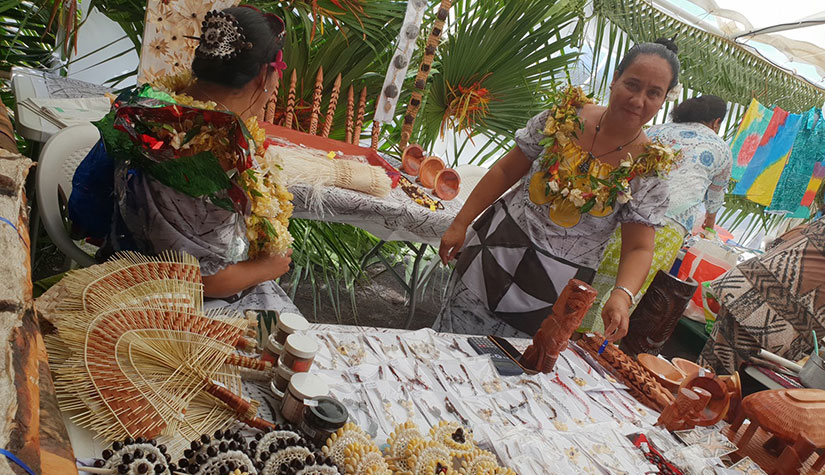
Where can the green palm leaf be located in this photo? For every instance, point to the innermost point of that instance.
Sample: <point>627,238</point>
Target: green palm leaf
<point>519,49</point>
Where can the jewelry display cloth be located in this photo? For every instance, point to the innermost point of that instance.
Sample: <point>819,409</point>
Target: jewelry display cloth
<point>573,420</point>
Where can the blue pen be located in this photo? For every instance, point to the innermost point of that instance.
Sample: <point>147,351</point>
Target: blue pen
<point>604,345</point>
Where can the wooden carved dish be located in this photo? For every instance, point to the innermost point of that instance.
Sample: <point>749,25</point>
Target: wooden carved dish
<point>687,367</point>
<point>447,183</point>
<point>428,170</point>
<point>411,159</point>
<point>670,376</point>
<point>719,402</point>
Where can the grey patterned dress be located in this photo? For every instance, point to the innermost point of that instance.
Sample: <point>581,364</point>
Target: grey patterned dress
<point>515,260</point>
<point>152,217</point>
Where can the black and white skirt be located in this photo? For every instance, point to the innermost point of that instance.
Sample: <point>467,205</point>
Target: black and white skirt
<point>503,284</point>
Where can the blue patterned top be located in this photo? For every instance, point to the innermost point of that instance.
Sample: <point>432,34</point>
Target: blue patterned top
<point>701,177</point>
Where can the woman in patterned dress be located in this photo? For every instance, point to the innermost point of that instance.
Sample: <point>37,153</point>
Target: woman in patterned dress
<point>232,74</point>
<point>698,180</point>
<point>518,255</point>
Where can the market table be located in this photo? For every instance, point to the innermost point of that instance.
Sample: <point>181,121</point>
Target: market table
<point>395,217</point>
<point>574,420</point>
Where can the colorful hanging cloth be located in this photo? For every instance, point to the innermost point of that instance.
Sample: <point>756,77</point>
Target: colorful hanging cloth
<point>763,172</point>
<point>808,150</point>
<point>813,186</point>
<point>747,137</point>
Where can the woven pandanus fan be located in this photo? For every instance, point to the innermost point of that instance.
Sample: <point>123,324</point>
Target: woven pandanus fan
<point>134,354</point>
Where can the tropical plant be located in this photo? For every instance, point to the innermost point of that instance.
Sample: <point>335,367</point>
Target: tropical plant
<point>493,68</point>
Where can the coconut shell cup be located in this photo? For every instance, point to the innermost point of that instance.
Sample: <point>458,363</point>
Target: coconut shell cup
<point>411,159</point>
<point>668,375</point>
<point>447,184</point>
<point>428,170</point>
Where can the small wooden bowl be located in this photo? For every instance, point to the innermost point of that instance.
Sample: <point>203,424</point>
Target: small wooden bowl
<point>447,184</point>
<point>428,170</point>
<point>668,375</point>
<point>717,408</point>
<point>411,159</point>
<point>689,368</point>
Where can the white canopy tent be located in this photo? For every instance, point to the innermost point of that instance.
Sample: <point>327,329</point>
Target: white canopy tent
<point>791,34</point>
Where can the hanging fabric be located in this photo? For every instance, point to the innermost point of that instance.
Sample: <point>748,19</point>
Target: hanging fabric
<point>745,142</point>
<point>763,172</point>
<point>813,186</point>
<point>808,150</point>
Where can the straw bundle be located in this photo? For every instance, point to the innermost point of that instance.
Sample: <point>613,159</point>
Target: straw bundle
<point>134,354</point>
<point>314,167</point>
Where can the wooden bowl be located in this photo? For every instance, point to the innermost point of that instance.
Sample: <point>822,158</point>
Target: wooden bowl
<point>428,170</point>
<point>447,183</point>
<point>411,159</point>
<point>668,375</point>
<point>717,408</point>
<point>687,367</point>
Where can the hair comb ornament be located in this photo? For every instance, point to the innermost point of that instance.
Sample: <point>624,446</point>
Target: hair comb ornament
<point>221,37</point>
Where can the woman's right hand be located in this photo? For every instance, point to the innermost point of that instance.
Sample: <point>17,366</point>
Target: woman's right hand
<point>451,242</point>
<point>275,265</point>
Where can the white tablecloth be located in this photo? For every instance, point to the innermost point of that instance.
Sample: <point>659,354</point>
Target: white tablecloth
<point>393,218</point>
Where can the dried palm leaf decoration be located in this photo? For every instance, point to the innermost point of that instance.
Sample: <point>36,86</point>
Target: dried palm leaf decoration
<point>135,354</point>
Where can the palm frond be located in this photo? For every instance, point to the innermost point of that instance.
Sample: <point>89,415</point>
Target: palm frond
<point>710,63</point>
<point>516,49</point>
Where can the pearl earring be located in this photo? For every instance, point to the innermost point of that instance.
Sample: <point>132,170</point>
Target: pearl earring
<point>266,90</point>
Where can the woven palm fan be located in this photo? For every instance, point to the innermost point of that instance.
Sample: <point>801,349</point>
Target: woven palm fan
<point>135,355</point>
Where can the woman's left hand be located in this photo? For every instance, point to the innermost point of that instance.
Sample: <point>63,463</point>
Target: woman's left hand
<point>616,316</point>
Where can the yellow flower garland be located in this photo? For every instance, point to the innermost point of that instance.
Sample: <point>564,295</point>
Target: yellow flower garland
<point>571,191</point>
<point>267,226</point>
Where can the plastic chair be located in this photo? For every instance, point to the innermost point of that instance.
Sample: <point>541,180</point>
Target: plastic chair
<point>55,168</point>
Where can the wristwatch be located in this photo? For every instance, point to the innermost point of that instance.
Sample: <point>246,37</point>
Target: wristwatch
<point>633,298</point>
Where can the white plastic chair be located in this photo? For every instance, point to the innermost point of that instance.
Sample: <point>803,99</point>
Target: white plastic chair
<point>55,168</point>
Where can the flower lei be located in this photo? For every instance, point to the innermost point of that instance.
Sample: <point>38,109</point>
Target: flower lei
<point>572,181</point>
<point>267,223</point>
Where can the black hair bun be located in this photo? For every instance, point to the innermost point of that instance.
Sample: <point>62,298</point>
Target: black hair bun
<point>669,44</point>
